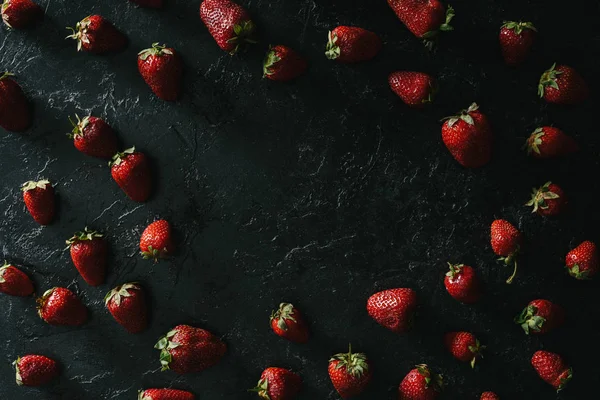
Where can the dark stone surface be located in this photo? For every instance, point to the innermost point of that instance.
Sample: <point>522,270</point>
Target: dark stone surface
<point>319,192</point>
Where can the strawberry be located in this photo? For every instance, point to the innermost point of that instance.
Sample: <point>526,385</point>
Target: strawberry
<point>156,241</point>
<point>552,369</point>
<point>127,304</point>
<point>288,323</point>
<point>165,394</point>
<point>350,373</point>
<point>14,282</point>
<point>148,3</point>
<point>468,137</point>
<point>548,200</point>
<point>278,384</point>
<point>131,170</point>
<point>15,112</point>
<point>462,283</point>
<point>94,137</point>
<point>540,316</point>
<point>489,396</point>
<point>60,306</point>
<point>186,349</point>
<point>89,252</point>
<point>516,40</point>
<point>228,23</point>
<point>463,346</point>
<point>350,44</point>
<point>97,35</point>
<point>21,14</point>
<point>414,88</point>
<point>35,370</point>
<point>39,200</point>
<point>424,18</point>
<point>420,384</point>
<point>582,262</point>
<point>283,64</point>
<point>162,69</point>
<point>549,142</point>
<point>393,309</point>
<point>506,242</point>
<point>562,85</point>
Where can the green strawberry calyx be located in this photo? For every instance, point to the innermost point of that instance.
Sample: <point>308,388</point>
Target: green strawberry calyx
<point>548,79</point>
<point>284,313</point>
<point>79,33</point>
<point>30,185</point>
<point>430,36</point>
<point>154,254</point>
<point>356,364</point>
<point>119,157</point>
<point>577,272</point>
<point>434,381</point>
<point>6,74</point>
<point>3,7</point>
<point>464,115</point>
<point>454,270</point>
<point>529,320</point>
<point>41,301</point>
<point>476,350</point>
<point>332,50</point>
<point>142,395</point>
<point>242,33</point>
<point>534,141</point>
<point>540,196</point>
<point>78,126</point>
<point>262,389</point>
<point>86,234</point>
<point>509,260</point>
<point>165,344</point>
<point>568,375</point>
<point>18,377</point>
<point>270,60</point>
<point>518,27</point>
<point>155,50</point>
<point>118,293</point>
<point>3,269</point>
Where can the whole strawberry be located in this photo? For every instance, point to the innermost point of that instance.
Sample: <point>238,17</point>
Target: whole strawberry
<point>14,282</point>
<point>162,69</point>
<point>165,394</point>
<point>420,384</point>
<point>97,35</point>
<point>35,370</point>
<point>39,200</point>
<point>283,64</point>
<point>148,3</point>
<point>131,170</point>
<point>288,323</point>
<point>562,85</point>
<point>127,305</point>
<point>540,316</point>
<point>549,142</point>
<point>350,44</point>
<point>582,262</point>
<point>462,283</point>
<point>552,369</point>
<point>506,242</point>
<point>414,88</point>
<point>60,306</point>
<point>156,241</point>
<point>516,40</point>
<point>94,137</point>
<point>489,396</point>
<point>548,200</point>
<point>228,23</point>
<point>15,112</point>
<point>278,384</point>
<point>21,14</point>
<point>89,252</point>
<point>463,346</point>
<point>393,308</point>
<point>350,373</point>
<point>424,18</point>
<point>468,137</point>
<point>186,349</point>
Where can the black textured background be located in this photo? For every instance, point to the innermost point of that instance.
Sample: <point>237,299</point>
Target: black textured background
<point>319,192</point>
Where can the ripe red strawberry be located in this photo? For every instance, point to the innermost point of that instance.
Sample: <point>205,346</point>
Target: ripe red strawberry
<point>420,384</point>
<point>350,373</point>
<point>468,137</point>
<point>552,369</point>
<point>89,252</point>
<point>463,346</point>
<point>540,316</point>
<point>548,142</point>
<point>97,35</point>
<point>228,23</point>
<point>186,349</point>
<point>14,282</point>
<point>278,384</point>
<point>127,304</point>
<point>162,69</point>
<point>148,3</point>
<point>562,85</point>
<point>288,323</point>
<point>350,44</point>
<point>39,200</point>
<point>21,14</point>
<point>94,137</point>
<point>15,112</point>
<point>489,396</point>
<point>283,64</point>
<point>35,370</point>
<point>131,170</point>
<point>583,262</point>
<point>60,306</point>
<point>516,40</point>
<point>506,242</point>
<point>393,308</point>
<point>414,88</point>
<point>165,394</point>
<point>548,200</point>
<point>424,18</point>
<point>462,283</point>
<point>156,241</point>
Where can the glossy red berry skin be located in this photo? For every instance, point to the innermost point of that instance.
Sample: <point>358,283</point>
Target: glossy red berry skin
<point>583,262</point>
<point>393,308</point>
<point>516,41</point>
<point>462,283</point>
<point>563,85</point>
<point>351,44</point>
<point>552,369</point>
<point>416,89</point>
<point>15,282</point>
<point>35,370</point>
